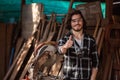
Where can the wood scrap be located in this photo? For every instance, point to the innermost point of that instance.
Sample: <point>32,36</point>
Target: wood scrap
<point>2,48</point>
<point>97,27</point>
<point>46,63</point>
<point>21,58</point>
<point>28,65</point>
<point>9,73</point>
<point>46,33</point>
<point>100,39</point>
<point>52,32</point>
<point>99,35</point>
<point>19,44</point>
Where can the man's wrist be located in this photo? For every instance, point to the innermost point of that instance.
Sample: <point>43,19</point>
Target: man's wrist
<point>63,49</point>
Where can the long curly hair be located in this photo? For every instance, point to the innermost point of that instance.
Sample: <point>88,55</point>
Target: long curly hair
<point>74,12</point>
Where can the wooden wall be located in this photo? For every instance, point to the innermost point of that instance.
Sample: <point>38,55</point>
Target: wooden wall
<point>6,31</point>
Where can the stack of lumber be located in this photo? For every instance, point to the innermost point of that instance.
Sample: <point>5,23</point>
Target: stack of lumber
<point>43,30</point>
<point>109,66</point>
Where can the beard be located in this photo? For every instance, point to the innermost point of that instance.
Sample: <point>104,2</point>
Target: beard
<point>77,29</point>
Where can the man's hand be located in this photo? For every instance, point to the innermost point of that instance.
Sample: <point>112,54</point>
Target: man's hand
<point>67,45</point>
<point>94,73</point>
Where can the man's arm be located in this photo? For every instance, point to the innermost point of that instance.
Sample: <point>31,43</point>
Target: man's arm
<point>94,73</point>
<point>95,61</point>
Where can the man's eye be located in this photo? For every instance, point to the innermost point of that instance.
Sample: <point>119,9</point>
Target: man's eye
<point>77,20</point>
<point>73,20</point>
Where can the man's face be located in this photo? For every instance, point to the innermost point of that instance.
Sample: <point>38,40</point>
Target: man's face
<point>77,22</point>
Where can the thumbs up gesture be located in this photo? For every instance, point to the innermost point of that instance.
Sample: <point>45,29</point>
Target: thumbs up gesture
<point>67,45</point>
<point>69,42</point>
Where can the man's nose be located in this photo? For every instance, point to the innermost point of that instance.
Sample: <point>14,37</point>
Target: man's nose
<point>77,21</point>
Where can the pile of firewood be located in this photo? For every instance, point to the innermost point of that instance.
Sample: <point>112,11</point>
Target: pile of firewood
<point>43,30</point>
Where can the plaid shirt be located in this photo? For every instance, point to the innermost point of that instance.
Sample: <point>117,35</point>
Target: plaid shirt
<point>78,66</point>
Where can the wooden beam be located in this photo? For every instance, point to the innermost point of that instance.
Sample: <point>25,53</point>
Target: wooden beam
<point>109,8</point>
<point>2,49</point>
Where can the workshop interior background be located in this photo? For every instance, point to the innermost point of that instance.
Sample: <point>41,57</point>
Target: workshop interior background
<point>27,23</point>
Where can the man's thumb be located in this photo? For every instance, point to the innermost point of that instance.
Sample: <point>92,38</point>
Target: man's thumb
<point>70,38</point>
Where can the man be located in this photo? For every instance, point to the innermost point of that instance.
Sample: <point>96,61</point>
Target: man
<point>79,50</point>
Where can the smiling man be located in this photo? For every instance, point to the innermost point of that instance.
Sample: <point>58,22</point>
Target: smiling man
<point>79,50</point>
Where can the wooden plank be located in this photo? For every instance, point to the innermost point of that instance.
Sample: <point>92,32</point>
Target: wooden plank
<point>66,18</point>
<point>13,65</point>
<point>44,23</point>
<point>30,18</point>
<point>52,32</point>
<point>99,36</point>
<point>21,58</point>
<point>109,7</point>
<point>19,45</point>
<point>108,67</point>
<point>47,30</point>
<point>57,67</point>
<point>116,67</point>
<point>26,67</point>
<point>2,49</point>
<point>60,32</point>
<point>101,42</point>
<point>90,11</point>
<point>97,27</point>
<point>9,39</point>
<point>53,28</point>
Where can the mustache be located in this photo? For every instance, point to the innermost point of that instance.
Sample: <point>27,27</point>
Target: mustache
<point>78,25</point>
